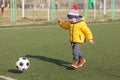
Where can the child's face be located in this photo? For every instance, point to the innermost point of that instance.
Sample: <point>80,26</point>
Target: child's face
<point>72,20</point>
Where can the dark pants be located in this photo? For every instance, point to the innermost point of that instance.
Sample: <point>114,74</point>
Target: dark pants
<point>77,55</point>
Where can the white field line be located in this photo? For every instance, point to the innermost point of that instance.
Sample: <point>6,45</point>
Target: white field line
<point>7,78</point>
<point>52,26</point>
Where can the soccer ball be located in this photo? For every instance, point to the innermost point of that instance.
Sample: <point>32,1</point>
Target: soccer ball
<point>22,63</point>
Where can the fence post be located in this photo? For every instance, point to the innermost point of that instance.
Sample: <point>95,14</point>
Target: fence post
<point>52,10</point>
<point>48,18</point>
<point>100,8</point>
<point>86,9</point>
<point>113,9</point>
<point>23,8</point>
<point>70,4</point>
<point>13,10</point>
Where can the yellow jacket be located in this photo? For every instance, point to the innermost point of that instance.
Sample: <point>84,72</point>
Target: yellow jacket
<point>78,31</point>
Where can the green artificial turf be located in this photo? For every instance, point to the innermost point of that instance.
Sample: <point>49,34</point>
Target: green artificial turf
<point>49,52</point>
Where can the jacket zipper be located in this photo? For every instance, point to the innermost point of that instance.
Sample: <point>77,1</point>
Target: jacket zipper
<point>79,37</point>
<point>72,32</point>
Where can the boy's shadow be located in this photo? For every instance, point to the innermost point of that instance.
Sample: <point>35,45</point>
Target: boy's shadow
<point>51,60</point>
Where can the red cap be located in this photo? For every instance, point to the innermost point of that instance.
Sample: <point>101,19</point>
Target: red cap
<point>75,7</point>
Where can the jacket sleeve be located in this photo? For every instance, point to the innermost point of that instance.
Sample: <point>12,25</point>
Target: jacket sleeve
<point>87,32</point>
<point>64,24</point>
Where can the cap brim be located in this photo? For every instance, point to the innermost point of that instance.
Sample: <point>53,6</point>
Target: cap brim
<point>72,16</point>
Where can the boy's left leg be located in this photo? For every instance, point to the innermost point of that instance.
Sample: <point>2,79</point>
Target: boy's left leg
<point>81,62</point>
<point>81,59</point>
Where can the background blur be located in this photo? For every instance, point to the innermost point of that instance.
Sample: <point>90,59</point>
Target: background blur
<point>40,11</point>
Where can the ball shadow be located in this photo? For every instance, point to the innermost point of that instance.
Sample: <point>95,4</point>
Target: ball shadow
<point>15,71</point>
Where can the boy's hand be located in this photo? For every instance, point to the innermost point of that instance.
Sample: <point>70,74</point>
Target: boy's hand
<point>58,20</point>
<point>91,41</point>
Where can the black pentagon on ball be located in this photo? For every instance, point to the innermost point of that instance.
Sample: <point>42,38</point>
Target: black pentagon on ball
<point>23,69</point>
<point>16,66</point>
<point>21,64</point>
<point>28,64</point>
<point>24,58</point>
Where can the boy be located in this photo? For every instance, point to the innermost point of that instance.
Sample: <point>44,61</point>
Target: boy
<point>78,31</point>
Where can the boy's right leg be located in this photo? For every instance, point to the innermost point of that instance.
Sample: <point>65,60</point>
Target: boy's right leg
<point>74,64</point>
<point>76,54</point>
